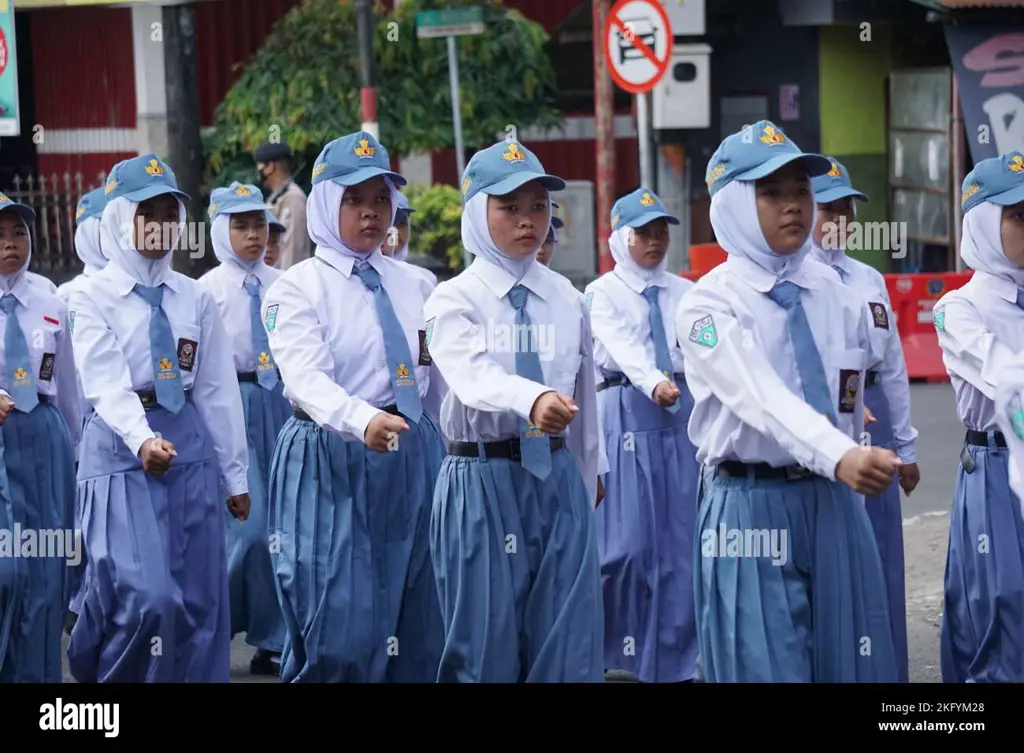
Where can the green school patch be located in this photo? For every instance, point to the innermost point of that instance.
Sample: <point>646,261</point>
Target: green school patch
<point>1015,413</point>
<point>939,317</point>
<point>430,332</point>
<point>704,333</point>
<point>590,299</point>
<point>271,320</point>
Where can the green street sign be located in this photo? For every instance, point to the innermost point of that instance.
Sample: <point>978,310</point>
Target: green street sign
<point>452,22</point>
<point>10,122</point>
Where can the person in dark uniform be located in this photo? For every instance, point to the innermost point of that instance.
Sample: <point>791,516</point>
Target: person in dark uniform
<point>274,163</point>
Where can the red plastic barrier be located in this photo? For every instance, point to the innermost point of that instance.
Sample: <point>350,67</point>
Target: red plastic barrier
<point>913,296</point>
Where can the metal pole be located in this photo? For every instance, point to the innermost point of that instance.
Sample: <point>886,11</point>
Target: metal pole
<point>956,136</point>
<point>367,94</point>
<point>605,138</point>
<point>643,140</point>
<point>460,149</point>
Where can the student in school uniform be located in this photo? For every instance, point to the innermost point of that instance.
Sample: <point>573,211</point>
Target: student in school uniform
<point>886,390</point>
<point>789,584</point>
<point>165,439</point>
<point>645,526</point>
<point>277,231</point>
<point>981,332</point>
<point>397,245</point>
<point>354,471</point>
<point>239,232</point>
<point>39,423</point>
<point>512,529</point>
<point>547,249</point>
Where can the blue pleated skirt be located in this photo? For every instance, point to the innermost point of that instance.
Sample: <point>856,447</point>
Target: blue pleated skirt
<point>154,601</point>
<point>789,585</point>
<point>517,572</point>
<point>645,534</point>
<point>353,572</point>
<point>38,542</point>
<point>255,610</point>
<point>982,637</point>
<point>886,515</point>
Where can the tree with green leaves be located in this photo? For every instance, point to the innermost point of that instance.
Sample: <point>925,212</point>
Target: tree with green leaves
<point>302,86</point>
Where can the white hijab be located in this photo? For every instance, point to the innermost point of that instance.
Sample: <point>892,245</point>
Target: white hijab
<point>981,244</point>
<point>220,234</point>
<point>402,253</point>
<point>476,237</point>
<point>738,230</point>
<point>8,282</point>
<point>117,234</point>
<point>323,210</point>
<point>625,265</point>
<point>87,245</point>
<point>830,256</point>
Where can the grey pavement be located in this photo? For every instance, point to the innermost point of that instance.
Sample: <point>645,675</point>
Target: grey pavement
<point>925,528</point>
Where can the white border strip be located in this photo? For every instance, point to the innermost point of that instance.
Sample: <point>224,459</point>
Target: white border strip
<point>85,140</point>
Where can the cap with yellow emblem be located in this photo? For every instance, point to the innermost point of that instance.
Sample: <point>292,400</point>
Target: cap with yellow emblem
<point>639,208</point>
<point>834,185</point>
<point>353,159</point>
<point>502,168</point>
<point>756,151</point>
<point>91,205</point>
<point>24,211</point>
<point>997,180</point>
<point>235,199</point>
<point>141,178</point>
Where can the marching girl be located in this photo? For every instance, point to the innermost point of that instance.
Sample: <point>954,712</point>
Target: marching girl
<point>39,425</point>
<point>239,233</point>
<point>981,331</point>
<point>512,532</point>
<point>277,230</point>
<point>886,391</point>
<point>548,247</point>
<point>645,527</point>
<point>788,581</point>
<point>397,244</point>
<point>354,469</point>
<point>165,439</point>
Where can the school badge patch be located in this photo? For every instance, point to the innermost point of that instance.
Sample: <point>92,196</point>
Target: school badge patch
<point>590,300</point>
<point>879,315</point>
<point>1015,413</point>
<point>849,385</point>
<point>703,332</point>
<point>46,367</point>
<point>71,321</point>
<point>187,354</point>
<point>271,320</point>
<point>939,318</point>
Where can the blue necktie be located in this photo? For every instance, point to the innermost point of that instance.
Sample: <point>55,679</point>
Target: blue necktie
<point>534,445</point>
<point>396,348</point>
<point>662,357</point>
<point>166,373</point>
<point>808,360</point>
<point>266,371</point>
<point>1020,298</point>
<point>20,385</point>
<point>840,271</point>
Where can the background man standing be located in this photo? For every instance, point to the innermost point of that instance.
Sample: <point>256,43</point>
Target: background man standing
<point>274,163</point>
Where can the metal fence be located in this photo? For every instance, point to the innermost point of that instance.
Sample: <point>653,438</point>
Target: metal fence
<point>54,199</point>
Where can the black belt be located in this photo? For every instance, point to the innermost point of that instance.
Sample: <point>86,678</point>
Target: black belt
<point>765,472</point>
<point>508,449</point>
<point>303,416</point>
<point>45,398</point>
<point>252,376</point>
<point>620,379</point>
<point>149,402</point>
<point>980,438</point>
<point>873,378</point>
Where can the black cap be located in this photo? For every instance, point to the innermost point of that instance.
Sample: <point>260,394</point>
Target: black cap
<point>268,151</point>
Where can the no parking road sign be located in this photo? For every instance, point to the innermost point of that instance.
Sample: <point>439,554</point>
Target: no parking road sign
<point>637,44</point>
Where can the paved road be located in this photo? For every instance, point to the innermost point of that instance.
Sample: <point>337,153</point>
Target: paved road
<point>925,526</point>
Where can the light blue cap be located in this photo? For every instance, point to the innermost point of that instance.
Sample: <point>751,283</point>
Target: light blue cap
<point>755,152</point>
<point>502,168</point>
<point>997,180</point>
<point>353,159</point>
<point>235,199</point>
<point>141,178</point>
<point>91,204</point>
<point>274,223</point>
<point>835,184</point>
<point>556,222</point>
<point>638,208</point>
<point>24,211</point>
<point>404,210</point>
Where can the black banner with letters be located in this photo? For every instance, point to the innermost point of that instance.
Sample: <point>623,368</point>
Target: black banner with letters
<point>989,66</point>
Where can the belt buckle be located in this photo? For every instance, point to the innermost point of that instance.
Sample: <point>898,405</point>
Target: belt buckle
<point>148,399</point>
<point>796,472</point>
<point>515,450</point>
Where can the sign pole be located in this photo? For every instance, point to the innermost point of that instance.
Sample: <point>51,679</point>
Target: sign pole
<point>643,139</point>
<point>460,148</point>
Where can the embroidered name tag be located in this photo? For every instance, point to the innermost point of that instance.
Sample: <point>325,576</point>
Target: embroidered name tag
<point>46,367</point>
<point>187,354</point>
<point>425,359</point>
<point>879,315</point>
<point>849,384</point>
